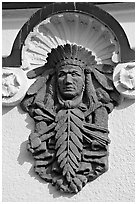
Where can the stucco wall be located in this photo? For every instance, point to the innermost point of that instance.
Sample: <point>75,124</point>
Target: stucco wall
<point>21,184</point>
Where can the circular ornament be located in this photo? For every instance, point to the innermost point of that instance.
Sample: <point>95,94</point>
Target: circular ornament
<point>124,79</point>
<point>14,86</point>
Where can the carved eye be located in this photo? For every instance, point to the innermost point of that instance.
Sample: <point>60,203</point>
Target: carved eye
<point>75,74</point>
<point>61,74</point>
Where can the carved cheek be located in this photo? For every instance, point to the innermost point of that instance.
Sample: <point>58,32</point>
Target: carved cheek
<point>60,82</point>
<point>79,83</point>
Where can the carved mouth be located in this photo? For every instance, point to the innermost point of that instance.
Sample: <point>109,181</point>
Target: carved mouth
<point>69,88</point>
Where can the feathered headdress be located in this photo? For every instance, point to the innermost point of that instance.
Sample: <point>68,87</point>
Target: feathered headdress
<point>85,43</point>
<point>72,55</point>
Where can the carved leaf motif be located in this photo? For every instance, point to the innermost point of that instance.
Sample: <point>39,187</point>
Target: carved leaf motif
<point>95,127</point>
<point>60,140</point>
<point>68,141</point>
<point>41,113</point>
<point>76,140</point>
<point>78,113</point>
<point>103,80</point>
<point>62,148</point>
<point>103,96</point>
<point>101,138</point>
<point>76,130</point>
<point>26,102</point>
<point>78,183</point>
<point>68,169</point>
<point>63,163</point>
<point>35,72</point>
<point>41,94</point>
<point>73,158</point>
<point>38,118</point>
<point>60,115</point>
<point>75,151</point>
<point>61,131</point>
<point>62,156</point>
<point>36,86</point>
<point>76,120</point>
<point>72,163</point>
<point>61,123</point>
<point>45,137</point>
<point>104,68</point>
<point>49,128</point>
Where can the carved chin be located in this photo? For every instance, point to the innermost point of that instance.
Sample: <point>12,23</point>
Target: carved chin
<point>69,95</point>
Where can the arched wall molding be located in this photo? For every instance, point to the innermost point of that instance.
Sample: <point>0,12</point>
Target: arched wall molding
<point>56,8</point>
<point>84,121</point>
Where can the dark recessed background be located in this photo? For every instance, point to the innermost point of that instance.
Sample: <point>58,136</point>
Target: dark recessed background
<point>27,5</point>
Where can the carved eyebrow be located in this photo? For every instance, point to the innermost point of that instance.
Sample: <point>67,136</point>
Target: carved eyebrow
<point>71,71</point>
<point>61,73</point>
<point>76,72</point>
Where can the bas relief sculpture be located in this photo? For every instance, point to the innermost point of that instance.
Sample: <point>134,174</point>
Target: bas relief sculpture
<point>70,103</point>
<point>71,49</point>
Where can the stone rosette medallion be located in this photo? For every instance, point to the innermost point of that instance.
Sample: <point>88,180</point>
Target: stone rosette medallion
<point>14,85</point>
<point>124,79</point>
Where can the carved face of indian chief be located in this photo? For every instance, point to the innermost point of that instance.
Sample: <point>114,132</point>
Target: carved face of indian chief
<point>70,140</point>
<point>71,81</point>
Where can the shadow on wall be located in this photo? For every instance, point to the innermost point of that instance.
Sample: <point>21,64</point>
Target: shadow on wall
<point>125,103</point>
<point>6,109</point>
<point>26,156</point>
<point>29,121</point>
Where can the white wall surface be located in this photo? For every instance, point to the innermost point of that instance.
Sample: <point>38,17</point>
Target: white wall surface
<point>21,184</point>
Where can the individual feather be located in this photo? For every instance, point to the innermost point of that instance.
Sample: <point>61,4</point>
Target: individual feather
<point>76,140</point>
<point>40,94</point>
<point>62,148</point>
<point>74,150</point>
<point>103,96</point>
<point>61,131</point>
<point>46,136</point>
<point>103,80</point>
<point>104,68</point>
<point>76,130</point>
<point>62,156</point>
<point>77,121</point>
<point>60,140</point>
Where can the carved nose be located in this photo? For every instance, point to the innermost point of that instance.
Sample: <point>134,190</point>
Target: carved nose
<point>68,79</point>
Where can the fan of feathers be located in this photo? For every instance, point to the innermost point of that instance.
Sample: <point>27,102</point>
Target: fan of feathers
<point>69,28</point>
